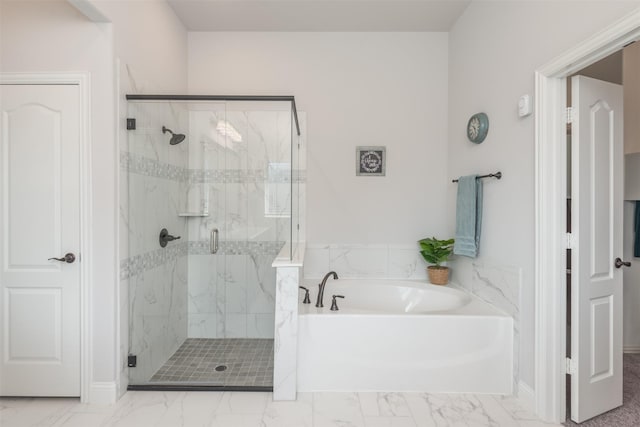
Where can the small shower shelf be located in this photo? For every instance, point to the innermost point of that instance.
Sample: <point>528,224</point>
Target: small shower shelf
<point>193,214</point>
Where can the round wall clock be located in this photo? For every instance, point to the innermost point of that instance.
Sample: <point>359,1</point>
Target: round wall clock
<point>478,127</point>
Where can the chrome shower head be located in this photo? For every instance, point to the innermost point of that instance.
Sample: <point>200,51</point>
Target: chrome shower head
<point>176,138</point>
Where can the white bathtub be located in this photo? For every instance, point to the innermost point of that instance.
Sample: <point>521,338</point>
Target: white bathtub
<point>392,335</point>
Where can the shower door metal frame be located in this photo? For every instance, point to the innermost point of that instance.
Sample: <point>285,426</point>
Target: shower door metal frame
<point>267,98</point>
<point>281,98</point>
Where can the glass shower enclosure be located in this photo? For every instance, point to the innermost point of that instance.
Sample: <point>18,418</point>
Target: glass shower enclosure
<point>212,197</point>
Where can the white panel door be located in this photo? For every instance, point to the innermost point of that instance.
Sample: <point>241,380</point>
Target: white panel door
<point>597,216</point>
<point>39,219</point>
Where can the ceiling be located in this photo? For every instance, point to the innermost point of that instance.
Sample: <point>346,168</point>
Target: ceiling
<point>318,15</point>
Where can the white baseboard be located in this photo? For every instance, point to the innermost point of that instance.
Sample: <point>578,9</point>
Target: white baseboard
<point>631,349</point>
<point>122,389</point>
<point>103,393</point>
<point>527,397</point>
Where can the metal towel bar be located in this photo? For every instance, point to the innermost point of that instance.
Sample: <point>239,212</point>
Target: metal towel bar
<point>491,175</point>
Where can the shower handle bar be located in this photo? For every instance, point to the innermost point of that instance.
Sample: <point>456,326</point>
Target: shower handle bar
<point>213,241</point>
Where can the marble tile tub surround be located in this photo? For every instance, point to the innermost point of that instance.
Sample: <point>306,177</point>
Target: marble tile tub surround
<point>285,352</point>
<point>288,278</point>
<point>500,286</point>
<point>241,409</point>
<point>364,261</point>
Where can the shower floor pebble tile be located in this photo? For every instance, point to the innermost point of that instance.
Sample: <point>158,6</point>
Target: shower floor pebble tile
<point>246,409</point>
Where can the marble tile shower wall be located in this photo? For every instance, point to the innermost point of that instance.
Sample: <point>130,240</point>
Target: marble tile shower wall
<point>152,184</point>
<point>154,174</point>
<point>240,175</point>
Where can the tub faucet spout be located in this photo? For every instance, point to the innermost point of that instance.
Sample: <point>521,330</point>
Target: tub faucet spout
<point>322,285</point>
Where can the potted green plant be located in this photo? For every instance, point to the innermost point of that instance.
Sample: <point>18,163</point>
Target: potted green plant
<point>436,252</point>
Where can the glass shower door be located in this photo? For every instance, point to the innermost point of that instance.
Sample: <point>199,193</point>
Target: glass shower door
<point>201,308</point>
<point>153,176</point>
<point>252,155</point>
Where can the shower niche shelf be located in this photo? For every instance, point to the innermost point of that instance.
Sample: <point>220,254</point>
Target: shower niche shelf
<point>193,214</point>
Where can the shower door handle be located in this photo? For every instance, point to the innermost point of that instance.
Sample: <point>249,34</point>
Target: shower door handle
<point>213,241</point>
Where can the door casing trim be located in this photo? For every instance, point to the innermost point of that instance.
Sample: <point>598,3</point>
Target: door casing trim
<point>550,208</point>
<point>83,81</point>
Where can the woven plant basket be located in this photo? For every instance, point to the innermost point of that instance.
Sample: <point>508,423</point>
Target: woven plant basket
<point>438,275</point>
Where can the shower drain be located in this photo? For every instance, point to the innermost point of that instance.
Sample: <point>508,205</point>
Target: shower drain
<point>221,368</point>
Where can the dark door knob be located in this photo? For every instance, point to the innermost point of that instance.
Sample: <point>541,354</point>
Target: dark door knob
<point>68,258</point>
<point>619,263</point>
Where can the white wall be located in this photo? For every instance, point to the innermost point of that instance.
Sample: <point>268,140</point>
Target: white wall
<point>151,45</point>
<point>357,89</point>
<point>494,50</point>
<point>53,37</point>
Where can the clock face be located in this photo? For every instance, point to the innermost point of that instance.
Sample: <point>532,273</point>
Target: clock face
<point>478,127</point>
<point>474,128</point>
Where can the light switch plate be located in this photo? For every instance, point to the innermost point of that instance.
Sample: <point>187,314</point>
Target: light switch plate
<point>524,106</point>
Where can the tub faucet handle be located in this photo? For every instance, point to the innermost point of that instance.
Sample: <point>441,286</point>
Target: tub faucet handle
<point>306,300</point>
<point>334,304</point>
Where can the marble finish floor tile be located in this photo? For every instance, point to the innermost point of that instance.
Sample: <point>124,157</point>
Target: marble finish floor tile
<point>246,362</point>
<point>249,409</point>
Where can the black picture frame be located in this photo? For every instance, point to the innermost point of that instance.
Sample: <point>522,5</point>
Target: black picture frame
<point>371,160</point>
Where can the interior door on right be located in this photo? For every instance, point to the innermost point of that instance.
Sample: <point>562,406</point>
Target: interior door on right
<point>596,288</point>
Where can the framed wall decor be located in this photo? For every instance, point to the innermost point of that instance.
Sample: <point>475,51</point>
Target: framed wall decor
<point>370,161</point>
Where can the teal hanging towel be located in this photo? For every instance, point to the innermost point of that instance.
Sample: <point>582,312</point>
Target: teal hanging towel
<point>468,216</point>
<point>636,229</point>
